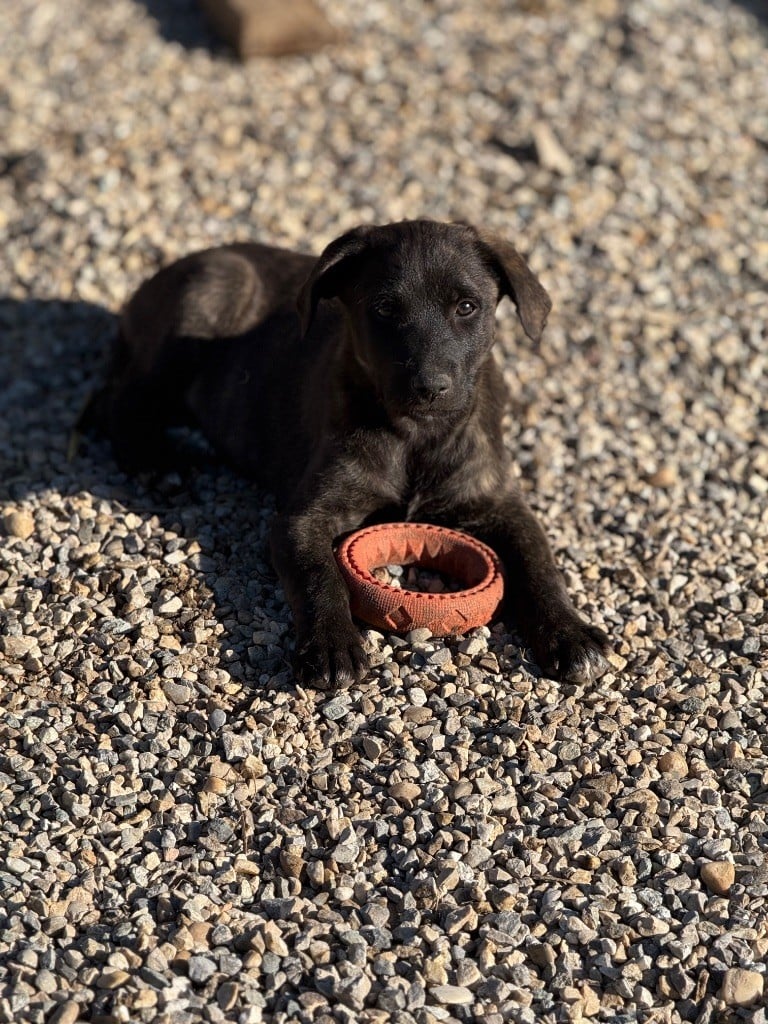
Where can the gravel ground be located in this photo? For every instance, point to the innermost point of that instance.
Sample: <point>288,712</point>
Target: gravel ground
<point>186,836</point>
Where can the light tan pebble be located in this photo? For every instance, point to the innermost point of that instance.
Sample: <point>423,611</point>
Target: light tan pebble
<point>625,871</point>
<point>451,995</point>
<point>252,960</point>
<point>19,524</point>
<point>734,751</point>
<point>67,1013</point>
<point>486,955</point>
<point>461,789</point>
<point>460,920</point>
<point>213,784</point>
<point>405,792</point>
<point>145,999</point>
<point>170,605</point>
<point>590,1001</point>
<point>647,925</point>
<point>718,876</point>
<point>664,476</point>
<point>549,150</point>
<point>17,647</point>
<point>448,878</point>
<point>245,866</point>
<point>200,930</point>
<point>112,979</point>
<point>468,973</point>
<point>435,972</point>
<point>672,763</point>
<point>742,987</point>
<point>336,826</point>
<point>273,940</point>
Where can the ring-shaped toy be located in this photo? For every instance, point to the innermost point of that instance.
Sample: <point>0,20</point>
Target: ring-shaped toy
<point>437,548</point>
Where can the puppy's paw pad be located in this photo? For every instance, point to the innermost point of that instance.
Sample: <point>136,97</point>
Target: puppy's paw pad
<point>331,664</point>
<point>576,653</point>
<point>583,663</point>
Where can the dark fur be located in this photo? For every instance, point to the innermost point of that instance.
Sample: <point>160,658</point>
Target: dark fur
<point>376,400</point>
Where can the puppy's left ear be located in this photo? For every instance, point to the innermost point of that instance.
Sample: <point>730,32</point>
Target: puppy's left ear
<point>329,272</point>
<point>519,282</point>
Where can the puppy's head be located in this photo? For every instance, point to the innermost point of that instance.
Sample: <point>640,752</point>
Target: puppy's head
<point>420,297</point>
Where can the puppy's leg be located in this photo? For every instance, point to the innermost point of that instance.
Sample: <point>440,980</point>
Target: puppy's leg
<point>141,409</point>
<point>564,646</point>
<point>329,652</point>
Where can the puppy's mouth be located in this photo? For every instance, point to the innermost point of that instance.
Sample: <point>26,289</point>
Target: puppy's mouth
<point>423,409</point>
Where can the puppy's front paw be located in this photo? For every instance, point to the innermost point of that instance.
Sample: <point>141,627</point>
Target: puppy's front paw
<point>331,659</point>
<point>572,651</point>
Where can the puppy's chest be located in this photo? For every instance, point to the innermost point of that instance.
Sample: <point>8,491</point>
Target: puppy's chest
<point>422,477</point>
<point>427,483</point>
<point>448,475</point>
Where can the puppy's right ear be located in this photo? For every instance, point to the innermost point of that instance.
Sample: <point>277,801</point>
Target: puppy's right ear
<point>328,273</point>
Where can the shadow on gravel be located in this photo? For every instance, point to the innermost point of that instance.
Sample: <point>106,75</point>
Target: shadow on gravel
<point>53,354</point>
<point>49,352</point>
<point>757,8</point>
<point>182,21</point>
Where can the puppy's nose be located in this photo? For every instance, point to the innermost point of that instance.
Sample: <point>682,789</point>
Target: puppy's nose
<point>430,388</point>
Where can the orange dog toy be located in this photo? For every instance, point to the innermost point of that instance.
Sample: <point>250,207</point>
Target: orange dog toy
<point>437,548</point>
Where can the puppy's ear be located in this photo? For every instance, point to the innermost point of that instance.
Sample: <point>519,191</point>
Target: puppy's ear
<point>329,272</point>
<point>519,282</point>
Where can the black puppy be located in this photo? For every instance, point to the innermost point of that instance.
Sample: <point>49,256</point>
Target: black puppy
<point>377,398</point>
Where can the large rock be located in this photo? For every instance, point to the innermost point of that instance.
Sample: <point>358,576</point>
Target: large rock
<point>19,523</point>
<point>742,987</point>
<point>270,28</point>
<point>718,876</point>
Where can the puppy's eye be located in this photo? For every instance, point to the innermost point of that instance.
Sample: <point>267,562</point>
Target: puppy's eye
<point>384,309</point>
<point>466,308</point>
